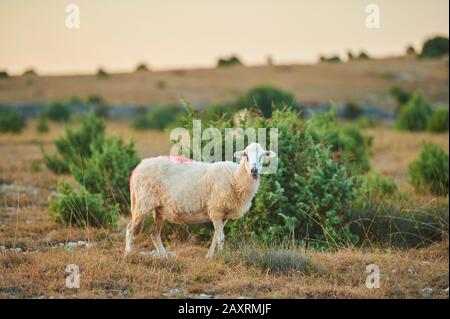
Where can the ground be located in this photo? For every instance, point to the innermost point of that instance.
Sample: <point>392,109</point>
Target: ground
<point>36,251</point>
<point>367,82</point>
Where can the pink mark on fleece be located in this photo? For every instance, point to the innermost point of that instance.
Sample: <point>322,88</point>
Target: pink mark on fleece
<point>177,159</point>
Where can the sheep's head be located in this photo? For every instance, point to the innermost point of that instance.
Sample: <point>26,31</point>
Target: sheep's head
<point>252,158</point>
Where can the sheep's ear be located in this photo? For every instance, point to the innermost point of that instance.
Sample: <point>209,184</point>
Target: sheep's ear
<point>239,154</point>
<point>270,154</point>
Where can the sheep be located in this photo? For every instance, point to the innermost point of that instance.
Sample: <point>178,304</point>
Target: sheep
<point>183,191</point>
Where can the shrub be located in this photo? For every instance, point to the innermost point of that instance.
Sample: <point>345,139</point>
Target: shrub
<point>100,166</point>
<point>401,96</point>
<point>142,67</point>
<point>58,112</point>
<point>266,98</point>
<point>81,208</point>
<point>429,172</point>
<point>352,110</point>
<point>378,187</point>
<point>107,171</point>
<point>4,75</point>
<point>98,105</point>
<point>102,73</point>
<point>435,47</point>
<point>42,125</point>
<point>438,122</point>
<point>331,59</point>
<point>30,72</point>
<point>75,146</point>
<point>216,110</point>
<point>414,115</point>
<point>160,84</point>
<point>410,51</point>
<point>11,121</point>
<point>395,224</point>
<point>276,260</point>
<point>231,61</point>
<point>363,56</point>
<point>158,118</point>
<point>348,144</point>
<point>309,197</point>
<point>366,122</point>
<point>75,100</point>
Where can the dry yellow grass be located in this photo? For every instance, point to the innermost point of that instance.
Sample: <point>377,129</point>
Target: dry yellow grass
<point>39,270</point>
<point>365,81</point>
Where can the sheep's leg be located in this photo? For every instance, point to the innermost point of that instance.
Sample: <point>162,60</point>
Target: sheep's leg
<point>155,234</point>
<point>132,230</point>
<point>218,238</point>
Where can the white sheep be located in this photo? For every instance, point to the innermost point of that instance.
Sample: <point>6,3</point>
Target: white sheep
<point>183,191</point>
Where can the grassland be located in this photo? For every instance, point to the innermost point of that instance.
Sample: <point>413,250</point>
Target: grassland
<point>36,249</point>
<point>367,81</point>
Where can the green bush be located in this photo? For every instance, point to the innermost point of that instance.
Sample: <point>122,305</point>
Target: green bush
<point>216,110</point>
<point>266,98</point>
<point>100,166</point>
<point>11,121</point>
<point>399,224</point>
<point>142,67</point>
<point>429,172</point>
<point>101,73</point>
<point>107,171</point>
<point>401,95</point>
<point>435,47</point>
<point>363,56</point>
<point>376,187</point>
<point>414,115</point>
<point>4,75</point>
<point>81,208</point>
<point>158,118</point>
<point>330,59</point>
<point>75,146</point>
<point>42,125</point>
<point>97,104</point>
<point>438,122</point>
<point>232,60</point>
<point>30,72</point>
<point>366,122</point>
<point>58,112</point>
<point>310,196</point>
<point>348,144</point>
<point>352,110</point>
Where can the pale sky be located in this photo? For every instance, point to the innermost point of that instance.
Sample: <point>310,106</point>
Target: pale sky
<point>165,34</point>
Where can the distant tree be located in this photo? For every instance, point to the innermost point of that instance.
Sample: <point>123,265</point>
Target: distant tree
<point>435,47</point>
<point>350,55</point>
<point>142,67</point>
<point>30,72</point>
<point>410,51</point>
<point>232,60</point>
<point>363,56</point>
<point>4,75</point>
<point>269,60</point>
<point>330,59</point>
<point>102,73</point>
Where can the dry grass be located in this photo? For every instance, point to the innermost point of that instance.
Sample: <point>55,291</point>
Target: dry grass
<point>365,81</point>
<point>38,271</point>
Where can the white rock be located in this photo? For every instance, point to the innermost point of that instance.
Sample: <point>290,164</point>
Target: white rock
<point>446,290</point>
<point>206,296</point>
<point>18,250</point>
<point>427,291</point>
<point>72,245</point>
<point>91,245</point>
<point>2,249</point>
<point>81,243</point>
<point>394,270</point>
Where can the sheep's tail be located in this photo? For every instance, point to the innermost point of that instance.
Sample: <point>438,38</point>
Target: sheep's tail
<point>132,192</point>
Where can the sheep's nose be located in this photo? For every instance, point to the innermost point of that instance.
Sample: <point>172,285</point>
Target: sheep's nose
<point>254,170</point>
